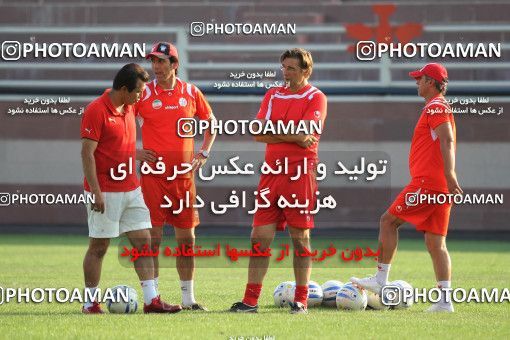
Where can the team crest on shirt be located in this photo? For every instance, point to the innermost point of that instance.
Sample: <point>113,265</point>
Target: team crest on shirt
<point>157,104</point>
<point>183,102</point>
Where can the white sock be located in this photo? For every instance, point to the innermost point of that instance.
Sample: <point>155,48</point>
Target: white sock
<point>383,272</point>
<point>149,291</point>
<point>188,298</point>
<point>156,284</point>
<point>88,302</point>
<point>445,284</point>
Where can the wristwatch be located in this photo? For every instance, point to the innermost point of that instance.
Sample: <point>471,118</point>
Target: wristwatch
<point>204,153</point>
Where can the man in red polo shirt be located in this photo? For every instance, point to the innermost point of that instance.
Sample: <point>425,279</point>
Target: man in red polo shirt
<point>432,168</point>
<point>166,101</point>
<point>108,133</point>
<point>295,102</point>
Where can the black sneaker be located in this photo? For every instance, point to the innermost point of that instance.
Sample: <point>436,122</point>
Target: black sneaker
<point>297,308</point>
<point>194,307</point>
<point>240,307</point>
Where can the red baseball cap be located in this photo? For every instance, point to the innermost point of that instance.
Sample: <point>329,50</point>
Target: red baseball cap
<point>433,70</point>
<point>163,50</point>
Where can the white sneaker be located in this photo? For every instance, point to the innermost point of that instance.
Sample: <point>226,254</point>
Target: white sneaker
<point>440,308</point>
<point>369,283</point>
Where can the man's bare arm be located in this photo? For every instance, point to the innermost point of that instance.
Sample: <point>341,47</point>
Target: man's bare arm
<point>301,139</point>
<point>88,146</point>
<point>446,141</point>
<point>268,139</point>
<point>209,137</point>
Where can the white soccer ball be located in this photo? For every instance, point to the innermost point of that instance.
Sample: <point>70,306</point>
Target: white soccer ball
<point>406,300</point>
<point>351,297</point>
<point>284,293</point>
<point>374,301</point>
<point>117,305</point>
<point>329,290</point>
<point>315,294</point>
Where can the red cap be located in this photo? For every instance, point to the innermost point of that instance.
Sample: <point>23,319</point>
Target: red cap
<point>163,50</point>
<point>433,70</point>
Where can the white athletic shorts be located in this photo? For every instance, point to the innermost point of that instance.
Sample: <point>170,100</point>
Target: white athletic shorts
<point>124,212</point>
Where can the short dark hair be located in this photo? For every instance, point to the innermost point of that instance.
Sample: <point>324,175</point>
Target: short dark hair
<point>303,56</point>
<point>441,86</point>
<point>128,76</point>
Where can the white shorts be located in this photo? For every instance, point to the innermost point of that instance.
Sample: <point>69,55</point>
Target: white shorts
<point>123,212</point>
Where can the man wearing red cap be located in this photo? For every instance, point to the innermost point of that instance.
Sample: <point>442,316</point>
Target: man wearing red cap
<point>165,102</point>
<point>432,167</point>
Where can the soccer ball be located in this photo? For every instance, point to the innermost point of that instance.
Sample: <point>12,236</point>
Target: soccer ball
<point>120,306</point>
<point>315,294</point>
<point>351,297</point>
<point>403,286</point>
<point>374,301</point>
<point>284,293</point>
<point>329,290</point>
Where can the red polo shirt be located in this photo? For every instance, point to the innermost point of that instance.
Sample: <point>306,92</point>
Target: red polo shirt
<point>115,133</point>
<point>425,159</point>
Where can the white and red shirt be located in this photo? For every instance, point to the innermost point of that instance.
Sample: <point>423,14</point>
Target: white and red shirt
<point>159,112</point>
<point>279,103</point>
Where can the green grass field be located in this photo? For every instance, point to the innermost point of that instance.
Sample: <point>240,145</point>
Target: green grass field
<point>56,261</point>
